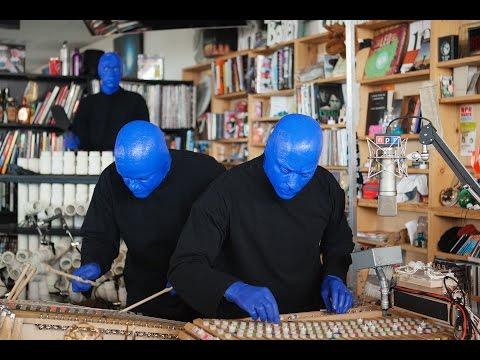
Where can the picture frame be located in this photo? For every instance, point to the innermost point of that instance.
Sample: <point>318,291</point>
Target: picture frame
<point>128,47</point>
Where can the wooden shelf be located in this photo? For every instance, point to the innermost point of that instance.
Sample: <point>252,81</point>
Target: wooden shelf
<point>199,67</point>
<point>272,48</point>
<point>267,118</point>
<point>470,60</point>
<point>379,24</point>
<point>315,39</point>
<point>231,141</point>
<point>287,92</point>
<point>475,298</point>
<point>461,99</point>
<point>233,54</point>
<point>410,170</point>
<point>450,256</point>
<point>335,80</point>
<point>456,212</point>
<point>333,126</point>
<point>413,207</point>
<point>33,127</point>
<point>403,136</point>
<point>332,167</point>
<point>408,247</point>
<point>232,96</point>
<point>371,242</point>
<point>397,78</point>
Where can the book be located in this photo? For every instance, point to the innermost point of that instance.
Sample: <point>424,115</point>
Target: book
<point>386,52</point>
<point>410,107</point>
<point>422,61</point>
<point>378,103</point>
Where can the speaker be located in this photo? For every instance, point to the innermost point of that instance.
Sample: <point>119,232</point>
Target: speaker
<point>90,62</point>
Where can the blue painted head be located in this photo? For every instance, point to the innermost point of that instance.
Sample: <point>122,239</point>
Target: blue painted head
<point>142,157</point>
<point>292,153</point>
<point>110,70</point>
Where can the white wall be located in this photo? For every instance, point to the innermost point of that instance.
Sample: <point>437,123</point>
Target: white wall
<point>176,47</point>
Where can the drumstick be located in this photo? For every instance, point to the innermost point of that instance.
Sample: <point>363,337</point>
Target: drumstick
<point>19,280</point>
<point>70,276</point>
<point>24,283</point>
<point>147,299</point>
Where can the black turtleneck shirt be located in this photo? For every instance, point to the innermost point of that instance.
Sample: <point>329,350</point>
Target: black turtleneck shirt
<point>150,228</point>
<point>100,117</point>
<point>240,230</point>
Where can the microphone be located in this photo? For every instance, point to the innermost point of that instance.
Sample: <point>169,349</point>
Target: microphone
<point>387,194</point>
<point>387,154</point>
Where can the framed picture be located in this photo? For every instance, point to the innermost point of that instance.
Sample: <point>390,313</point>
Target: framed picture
<point>12,58</point>
<point>128,47</point>
<point>150,67</point>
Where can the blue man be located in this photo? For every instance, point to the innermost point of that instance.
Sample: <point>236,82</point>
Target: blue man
<point>101,116</point>
<point>269,236</point>
<point>144,198</point>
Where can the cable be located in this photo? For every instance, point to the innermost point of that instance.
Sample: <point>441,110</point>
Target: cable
<point>405,117</point>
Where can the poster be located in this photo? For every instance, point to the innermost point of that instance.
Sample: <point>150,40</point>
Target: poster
<point>128,47</point>
<point>469,137</point>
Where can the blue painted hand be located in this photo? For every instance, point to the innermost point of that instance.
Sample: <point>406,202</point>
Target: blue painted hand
<point>336,295</point>
<point>172,292</point>
<point>89,271</point>
<point>259,302</point>
<point>110,70</point>
<point>142,157</point>
<point>292,153</point>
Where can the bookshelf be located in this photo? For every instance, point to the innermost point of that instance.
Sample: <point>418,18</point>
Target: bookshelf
<point>306,51</point>
<point>440,176</point>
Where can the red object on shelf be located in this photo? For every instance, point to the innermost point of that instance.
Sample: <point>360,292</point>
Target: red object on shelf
<point>370,190</point>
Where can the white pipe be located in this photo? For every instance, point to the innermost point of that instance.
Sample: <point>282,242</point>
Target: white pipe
<point>51,280</point>
<point>33,243</point>
<point>22,255</point>
<point>75,298</point>
<point>57,162</point>
<point>62,245</point>
<point>22,242</point>
<point>46,193</point>
<point>46,213</point>
<point>8,258</point>
<point>76,259</point>
<point>107,291</point>
<point>3,288</point>
<point>122,292</point>
<point>22,199</point>
<point>81,193</point>
<point>91,189</point>
<point>81,208</point>
<point>33,192</point>
<point>45,162</point>
<point>78,221</point>
<point>69,209</point>
<point>68,194</point>
<point>68,163</point>
<point>14,272</point>
<point>33,207</point>
<point>34,164</point>
<point>43,289</point>
<point>65,262</point>
<point>32,293</point>
<point>82,163</point>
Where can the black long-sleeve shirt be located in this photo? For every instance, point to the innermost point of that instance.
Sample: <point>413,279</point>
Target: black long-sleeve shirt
<point>100,117</point>
<point>150,228</point>
<point>239,229</point>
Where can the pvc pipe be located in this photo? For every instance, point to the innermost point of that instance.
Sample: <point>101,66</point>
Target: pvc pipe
<point>81,208</point>
<point>34,164</point>
<point>22,199</point>
<point>94,163</point>
<point>33,243</point>
<point>46,213</point>
<point>8,258</point>
<point>43,289</point>
<point>22,255</point>
<point>78,221</point>
<point>76,259</point>
<point>45,162</point>
<point>82,163</point>
<point>65,262</point>
<point>46,193</point>
<point>75,298</point>
<point>91,189</point>
<point>68,194</point>
<point>81,193</point>
<point>57,162</point>
<point>22,242</point>
<point>68,163</point>
<point>14,272</point>
<point>57,195</point>
<point>107,291</point>
<point>32,293</point>
<point>51,280</point>
<point>69,209</point>
<point>33,207</point>
<point>3,288</point>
